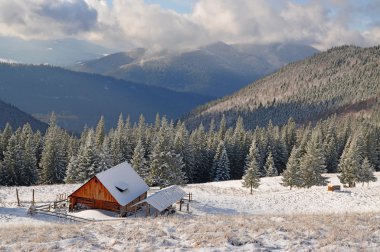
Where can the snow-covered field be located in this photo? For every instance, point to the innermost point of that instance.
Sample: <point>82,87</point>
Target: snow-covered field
<point>223,216</point>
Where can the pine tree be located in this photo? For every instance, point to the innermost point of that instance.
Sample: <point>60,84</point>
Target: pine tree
<point>366,172</point>
<point>12,164</point>
<point>99,133</point>
<point>5,136</point>
<point>182,147</point>
<point>251,178</point>
<point>291,176</point>
<point>312,163</point>
<point>105,155</point>
<point>216,159</point>
<point>223,167</point>
<point>88,159</point>
<point>270,167</point>
<point>138,160</point>
<point>239,150</point>
<point>53,159</point>
<point>72,173</point>
<point>29,173</point>
<point>350,161</point>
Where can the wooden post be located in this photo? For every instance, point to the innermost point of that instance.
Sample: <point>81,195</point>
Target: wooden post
<point>18,199</point>
<point>180,205</point>
<point>189,197</point>
<point>32,197</point>
<point>156,213</point>
<point>188,207</point>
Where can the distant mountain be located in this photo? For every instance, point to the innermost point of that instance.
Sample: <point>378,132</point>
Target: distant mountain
<point>342,81</point>
<point>54,52</point>
<point>217,69</point>
<point>80,98</point>
<point>17,118</point>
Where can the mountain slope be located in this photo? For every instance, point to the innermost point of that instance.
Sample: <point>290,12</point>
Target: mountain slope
<point>342,80</point>
<point>217,69</point>
<point>17,118</point>
<point>80,98</point>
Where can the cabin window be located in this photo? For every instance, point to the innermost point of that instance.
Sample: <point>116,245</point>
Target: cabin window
<point>96,181</point>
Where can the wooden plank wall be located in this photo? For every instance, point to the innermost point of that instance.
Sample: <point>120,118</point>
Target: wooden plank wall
<point>95,190</point>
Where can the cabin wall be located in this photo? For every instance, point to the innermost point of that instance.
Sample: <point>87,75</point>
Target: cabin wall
<point>94,195</point>
<point>94,190</point>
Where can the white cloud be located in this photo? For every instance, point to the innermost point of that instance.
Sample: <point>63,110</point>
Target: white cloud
<point>134,23</point>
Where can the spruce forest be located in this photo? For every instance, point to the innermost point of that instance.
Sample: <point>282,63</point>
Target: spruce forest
<point>166,153</point>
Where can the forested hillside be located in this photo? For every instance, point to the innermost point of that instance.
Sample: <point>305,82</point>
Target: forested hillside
<point>79,99</point>
<point>342,80</point>
<point>217,69</point>
<point>17,118</point>
<point>165,153</point>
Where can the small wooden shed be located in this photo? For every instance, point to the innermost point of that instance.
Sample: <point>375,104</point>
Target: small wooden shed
<point>117,189</point>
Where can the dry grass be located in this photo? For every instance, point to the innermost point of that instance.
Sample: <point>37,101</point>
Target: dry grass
<point>326,232</point>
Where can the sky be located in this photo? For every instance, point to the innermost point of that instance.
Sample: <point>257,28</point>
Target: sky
<point>184,24</point>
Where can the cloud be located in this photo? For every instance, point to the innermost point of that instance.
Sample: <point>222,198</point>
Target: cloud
<point>43,19</point>
<point>135,23</point>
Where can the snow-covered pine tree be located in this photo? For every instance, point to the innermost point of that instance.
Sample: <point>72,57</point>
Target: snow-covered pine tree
<point>72,172</point>
<point>291,176</point>
<point>201,157</point>
<point>222,128</point>
<point>118,142</point>
<point>105,155</point>
<point>239,150</point>
<point>182,147</point>
<point>175,172</point>
<point>163,157</point>
<point>251,178</point>
<point>5,136</point>
<point>351,160</point>
<point>29,172</point>
<point>216,159</point>
<point>100,133</point>
<point>330,152</point>
<point>270,167</point>
<point>312,163</point>
<point>12,163</point>
<point>366,172</point>
<point>88,159</point>
<point>53,159</point>
<point>138,160</point>
<point>223,167</point>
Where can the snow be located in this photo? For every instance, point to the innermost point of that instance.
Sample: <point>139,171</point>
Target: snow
<point>272,198</point>
<point>166,197</point>
<point>223,216</point>
<point>124,176</point>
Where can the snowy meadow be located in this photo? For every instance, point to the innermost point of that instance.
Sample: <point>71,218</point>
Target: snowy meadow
<point>223,216</point>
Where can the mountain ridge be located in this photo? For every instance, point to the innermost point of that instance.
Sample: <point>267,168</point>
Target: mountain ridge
<point>81,98</point>
<point>217,69</point>
<point>17,118</point>
<point>341,80</point>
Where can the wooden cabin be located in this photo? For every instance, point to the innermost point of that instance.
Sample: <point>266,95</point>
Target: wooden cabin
<point>117,189</point>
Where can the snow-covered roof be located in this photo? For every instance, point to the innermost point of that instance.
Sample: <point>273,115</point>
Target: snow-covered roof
<point>122,176</point>
<point>164,198</point>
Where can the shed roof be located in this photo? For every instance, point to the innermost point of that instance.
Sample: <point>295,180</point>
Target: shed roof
<point>122,176</point>
<point>165,197</point>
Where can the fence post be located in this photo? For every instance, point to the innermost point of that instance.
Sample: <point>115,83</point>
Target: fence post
<point>18,199</point>
<point>32,197</point>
